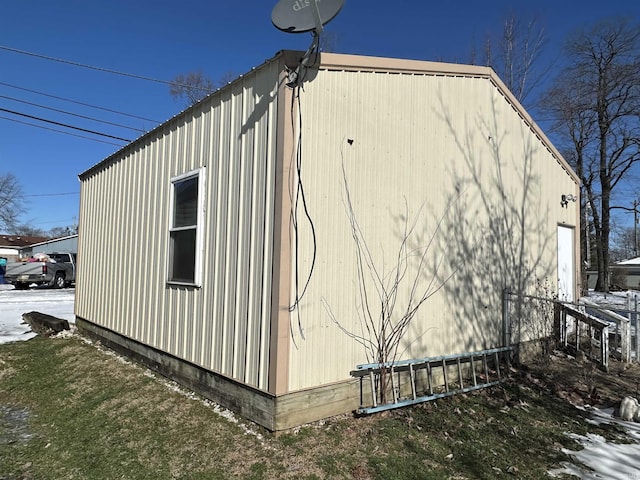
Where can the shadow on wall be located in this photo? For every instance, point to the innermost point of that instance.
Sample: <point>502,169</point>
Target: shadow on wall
<point>496,233</point>
<point>492,231</point>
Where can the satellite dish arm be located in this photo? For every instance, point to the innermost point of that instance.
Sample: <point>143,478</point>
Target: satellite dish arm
<point>316,17</point>
<point>296,77</point>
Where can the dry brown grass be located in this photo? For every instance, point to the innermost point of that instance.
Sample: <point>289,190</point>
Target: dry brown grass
<point>100,417</point>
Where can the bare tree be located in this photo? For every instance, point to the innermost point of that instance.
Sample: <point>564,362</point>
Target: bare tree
<point>57,232</point>
<point>515,55</point>
<point>191,87</point>
<point>28,230</point>
<point>595,103</point>
<point>624,243</point>
<point>226,78</point>
<point>194,86</point>
<point>11,201</point>
<point>520,49</point>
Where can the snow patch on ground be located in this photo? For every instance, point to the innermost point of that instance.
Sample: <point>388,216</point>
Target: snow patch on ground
<point>611,299</point>
<point>13,303</point>
<point>605,416</point>
<point>601,459</point>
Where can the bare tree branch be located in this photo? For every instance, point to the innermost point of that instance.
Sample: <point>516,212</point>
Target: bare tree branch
<point>193,86</point>
<point>596,104</point>
<point>399,294</point>
<point>11,201</point>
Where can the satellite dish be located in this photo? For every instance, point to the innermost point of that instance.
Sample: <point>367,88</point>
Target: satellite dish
<point>299,16</point>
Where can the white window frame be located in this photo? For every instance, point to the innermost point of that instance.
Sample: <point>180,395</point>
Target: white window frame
<point>201,174</point>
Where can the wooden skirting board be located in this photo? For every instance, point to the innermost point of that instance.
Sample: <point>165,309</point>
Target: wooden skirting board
<point>275,413</point>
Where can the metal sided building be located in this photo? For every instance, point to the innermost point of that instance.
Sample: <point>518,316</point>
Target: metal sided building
<point>62,244</point>
<point>233,232</point>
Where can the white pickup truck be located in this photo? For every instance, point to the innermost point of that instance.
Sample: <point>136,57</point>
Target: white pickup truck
<point>57,270</point>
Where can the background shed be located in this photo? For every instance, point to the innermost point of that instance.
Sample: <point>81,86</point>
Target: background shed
<point>68,244</point>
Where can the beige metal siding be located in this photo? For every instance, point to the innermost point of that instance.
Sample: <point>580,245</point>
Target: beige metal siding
<point>443,145</point>
<point>124,220</point>
<point>453,151</point>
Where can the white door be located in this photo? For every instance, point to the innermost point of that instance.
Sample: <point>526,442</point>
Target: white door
<point>566,270</point>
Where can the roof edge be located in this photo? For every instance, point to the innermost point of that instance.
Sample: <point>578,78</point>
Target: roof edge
<point>285,57</point>
<point>75,235</point>
<point>362,63</point>
<point>339,61</point>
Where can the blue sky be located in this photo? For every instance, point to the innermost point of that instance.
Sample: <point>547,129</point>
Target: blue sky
<point>161,39</point>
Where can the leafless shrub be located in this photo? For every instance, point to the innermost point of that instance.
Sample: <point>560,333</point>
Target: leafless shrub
<point>386,311</point>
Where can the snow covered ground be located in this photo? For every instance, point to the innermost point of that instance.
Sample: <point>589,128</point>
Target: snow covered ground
<point>613,299</point>
<point>13,303</point>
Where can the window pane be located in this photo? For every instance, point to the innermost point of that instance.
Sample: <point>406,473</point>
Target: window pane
<point>183,256</point>
<point>185,210</point>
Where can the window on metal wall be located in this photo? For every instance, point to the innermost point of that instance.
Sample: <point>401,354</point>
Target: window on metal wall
<point>185,232</point>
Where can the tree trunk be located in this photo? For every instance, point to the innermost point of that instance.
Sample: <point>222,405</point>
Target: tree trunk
<point>604,126</point>
<point>603,265</point>
<point>601,281</point>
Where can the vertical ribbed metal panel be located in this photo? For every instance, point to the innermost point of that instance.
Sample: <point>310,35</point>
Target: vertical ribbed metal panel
<point>416,141</point>
<point>124,221</point>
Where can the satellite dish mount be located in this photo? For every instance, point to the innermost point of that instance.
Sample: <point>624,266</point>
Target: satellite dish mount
<point>299,16</point>
<point>315,11</point>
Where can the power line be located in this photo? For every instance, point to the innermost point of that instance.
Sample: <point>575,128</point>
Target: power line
<point>52,194</point>
<point>73,219</point>
<point>79,103</point>
<point>73,114</point>
<point>101,69</point>
<point>59,131</point>
<point>64,125</point>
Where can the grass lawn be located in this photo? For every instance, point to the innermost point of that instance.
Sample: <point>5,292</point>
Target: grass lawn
<point>72,410</point>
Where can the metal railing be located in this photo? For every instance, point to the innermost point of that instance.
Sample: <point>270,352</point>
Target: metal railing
<point>538,316</point>
<point>625,341</point>
<point>583,332</point>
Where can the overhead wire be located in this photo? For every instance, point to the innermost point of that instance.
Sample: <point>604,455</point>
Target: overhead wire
<point>79,103</point>
<point>66,125</point>
<point>48,222</point>
<point>59,131</point>
<point>52,194</point>
<point>101,69</point>
<point>72,114</point>
<point>93,67</point>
